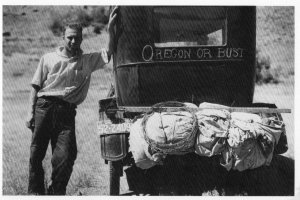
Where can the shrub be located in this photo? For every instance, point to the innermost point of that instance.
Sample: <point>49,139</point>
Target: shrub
<point>97,16</point>
<point>82,17</point>
<point>263,69</point>
<point>100,15</point>
<point>6,34</point>
<point>56,26</point>
<point>77,15</point>
<point>98,27</point>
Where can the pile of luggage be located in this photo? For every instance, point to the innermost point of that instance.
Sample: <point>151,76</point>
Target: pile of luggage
<point>242,140</point>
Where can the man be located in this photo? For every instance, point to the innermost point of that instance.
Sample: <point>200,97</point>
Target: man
<point>59,84</point>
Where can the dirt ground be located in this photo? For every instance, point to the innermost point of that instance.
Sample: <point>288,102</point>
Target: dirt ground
<point>22,51</point>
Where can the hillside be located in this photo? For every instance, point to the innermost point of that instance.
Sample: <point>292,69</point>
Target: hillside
<point>29,32</point>
<point>275,37</point>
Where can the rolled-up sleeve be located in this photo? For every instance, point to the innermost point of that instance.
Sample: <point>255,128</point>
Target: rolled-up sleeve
<point>98,60</point>
<point>40,74</point>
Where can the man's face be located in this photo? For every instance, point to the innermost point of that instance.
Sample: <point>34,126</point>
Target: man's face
<point>72,39</point>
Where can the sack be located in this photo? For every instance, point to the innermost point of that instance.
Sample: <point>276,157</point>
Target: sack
<point>246,117</point>
<point>177,136</point>
<point>138,146</point>
<point>170,132</point>
<point>250,145</point>
<point>213,125</point>
<point>275,121</point>
<point>282,145</point>
<point>247,156</point>
<point>245,140</point>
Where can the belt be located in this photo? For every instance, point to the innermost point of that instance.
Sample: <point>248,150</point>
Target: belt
<point>60,101</point>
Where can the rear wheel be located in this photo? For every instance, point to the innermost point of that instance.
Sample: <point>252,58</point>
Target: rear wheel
<point>115,172</point>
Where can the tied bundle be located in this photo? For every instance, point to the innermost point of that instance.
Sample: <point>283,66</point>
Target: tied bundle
<point>163,133</point>
<point>245,141</point>
<point>169,132</point>
<point>242,140</point>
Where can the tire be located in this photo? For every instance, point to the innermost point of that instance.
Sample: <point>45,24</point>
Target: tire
<point>115,172</point>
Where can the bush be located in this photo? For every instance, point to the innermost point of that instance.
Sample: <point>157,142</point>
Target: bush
<point>56,26</point>
<point>82,17</point>
<point>98,27</point>
<point>263,69</point>
<point>100,15</point>
<point>97,16</point>
<point>77,15</point>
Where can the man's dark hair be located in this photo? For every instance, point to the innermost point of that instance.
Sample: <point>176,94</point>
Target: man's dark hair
<point>74,25</point>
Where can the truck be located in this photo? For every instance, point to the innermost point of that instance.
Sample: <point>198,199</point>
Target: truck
<point>190,54</point>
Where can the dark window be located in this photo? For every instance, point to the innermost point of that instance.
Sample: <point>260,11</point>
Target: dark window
<point>190,26</point>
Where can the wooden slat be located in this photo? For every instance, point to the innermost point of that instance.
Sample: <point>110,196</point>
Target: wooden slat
<point>230,109</point>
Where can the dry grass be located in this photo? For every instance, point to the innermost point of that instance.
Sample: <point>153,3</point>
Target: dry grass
<point>90,175</point>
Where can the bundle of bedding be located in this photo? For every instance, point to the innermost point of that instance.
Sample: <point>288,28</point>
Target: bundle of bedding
<point>243,140</point>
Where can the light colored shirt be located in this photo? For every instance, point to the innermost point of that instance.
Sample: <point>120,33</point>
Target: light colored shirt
<point>67,78</point>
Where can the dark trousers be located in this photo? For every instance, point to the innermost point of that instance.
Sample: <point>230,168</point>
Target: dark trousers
<point>54,122</point>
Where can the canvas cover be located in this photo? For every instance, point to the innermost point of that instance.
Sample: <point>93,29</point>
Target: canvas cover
<point>242,140</point>
<point>245,140</point>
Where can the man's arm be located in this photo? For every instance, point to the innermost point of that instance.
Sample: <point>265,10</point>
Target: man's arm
<point>31,110</point>
<point>98,62</point>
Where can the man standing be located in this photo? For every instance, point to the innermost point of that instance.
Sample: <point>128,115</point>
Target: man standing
<point>59,84</point>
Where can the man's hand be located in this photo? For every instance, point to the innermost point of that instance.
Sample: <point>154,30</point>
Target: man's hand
<point>30,122</point>
<point>111,31</point>
<point>32,101</point>
<point>112,20</point>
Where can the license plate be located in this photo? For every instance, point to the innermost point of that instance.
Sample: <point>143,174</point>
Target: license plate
<point>107,128</point>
